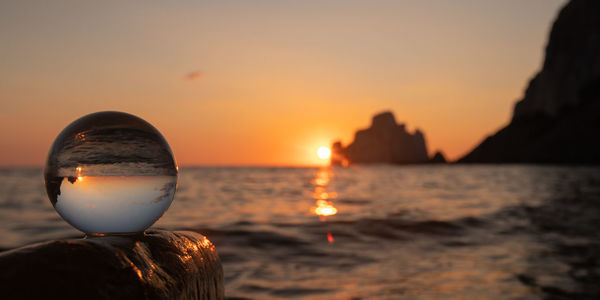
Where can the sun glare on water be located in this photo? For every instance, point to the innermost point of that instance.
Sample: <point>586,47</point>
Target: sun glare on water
<point>79,176</point>
<point>324,153</point>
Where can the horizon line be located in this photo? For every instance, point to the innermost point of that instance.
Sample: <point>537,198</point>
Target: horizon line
<point>198,166</point>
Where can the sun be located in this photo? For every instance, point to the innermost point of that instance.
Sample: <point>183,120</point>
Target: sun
<point>324,153</point>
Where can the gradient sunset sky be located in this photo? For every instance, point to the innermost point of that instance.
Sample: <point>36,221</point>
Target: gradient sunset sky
<point>266,82</point>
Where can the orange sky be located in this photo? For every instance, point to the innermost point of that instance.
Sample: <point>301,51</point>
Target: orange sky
<point>266,82</point>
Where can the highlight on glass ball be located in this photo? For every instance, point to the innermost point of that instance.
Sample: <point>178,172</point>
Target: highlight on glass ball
<point>110,173</point>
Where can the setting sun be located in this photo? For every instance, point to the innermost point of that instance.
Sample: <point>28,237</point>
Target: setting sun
<point>324,153</point>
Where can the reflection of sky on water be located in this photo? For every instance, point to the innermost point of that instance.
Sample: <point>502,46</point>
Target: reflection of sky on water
<point>104,204</point>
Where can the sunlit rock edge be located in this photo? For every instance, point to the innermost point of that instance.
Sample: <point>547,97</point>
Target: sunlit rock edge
<point>155,265</point>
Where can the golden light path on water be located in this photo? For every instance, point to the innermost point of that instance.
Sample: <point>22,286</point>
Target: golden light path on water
<point>324,206</point>
<point>79,175</point>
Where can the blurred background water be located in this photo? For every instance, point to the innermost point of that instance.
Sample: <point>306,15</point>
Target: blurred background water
<point>385,232</point>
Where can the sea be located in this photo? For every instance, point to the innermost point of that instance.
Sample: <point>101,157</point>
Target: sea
<point>371,232</point>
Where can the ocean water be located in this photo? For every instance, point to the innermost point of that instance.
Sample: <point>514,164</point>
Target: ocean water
<point>372,232</point>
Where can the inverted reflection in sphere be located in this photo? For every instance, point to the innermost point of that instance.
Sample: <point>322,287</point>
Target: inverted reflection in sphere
<point>110,173</point>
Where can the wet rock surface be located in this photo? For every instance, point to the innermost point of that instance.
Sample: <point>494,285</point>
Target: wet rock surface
<point>155,265</point>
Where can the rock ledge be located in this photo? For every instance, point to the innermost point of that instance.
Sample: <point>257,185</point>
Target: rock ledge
<point>155,265</point>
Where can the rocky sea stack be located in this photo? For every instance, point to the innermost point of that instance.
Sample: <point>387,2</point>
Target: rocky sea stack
<point>385,141</point>
<point>558,119</point>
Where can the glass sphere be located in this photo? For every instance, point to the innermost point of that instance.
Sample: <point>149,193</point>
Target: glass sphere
<point>110,173</point>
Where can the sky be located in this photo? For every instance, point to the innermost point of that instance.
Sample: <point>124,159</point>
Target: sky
<point>266,82</point>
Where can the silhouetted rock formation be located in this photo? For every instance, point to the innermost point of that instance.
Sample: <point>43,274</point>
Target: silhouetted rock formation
<point>384,142</point>
<point>558,119</point>
<point>337,154</point>
<point>438,158</point>
<point>156,265</point>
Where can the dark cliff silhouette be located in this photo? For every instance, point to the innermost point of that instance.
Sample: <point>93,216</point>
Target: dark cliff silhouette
<point>438,158</point>
<point>558,119</point>
<point>385,141</point>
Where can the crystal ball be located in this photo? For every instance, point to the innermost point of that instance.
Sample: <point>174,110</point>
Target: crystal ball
<point>110,173</point>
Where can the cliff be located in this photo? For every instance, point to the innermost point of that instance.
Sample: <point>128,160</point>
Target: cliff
<point>559,116</point>
<point>385,141</point>
<point>155,265</point>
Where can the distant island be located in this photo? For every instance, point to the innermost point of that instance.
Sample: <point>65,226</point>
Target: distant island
<point>558,119</point>
<point>384,142</point>
<point>556,122</point>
